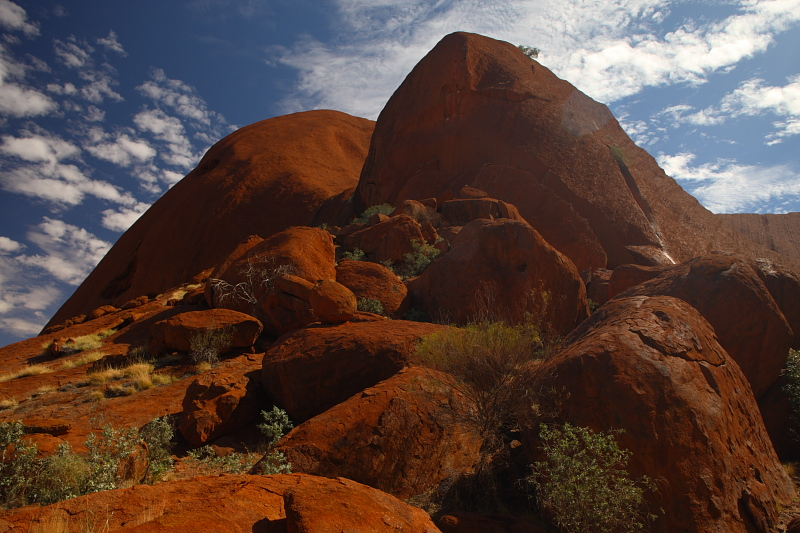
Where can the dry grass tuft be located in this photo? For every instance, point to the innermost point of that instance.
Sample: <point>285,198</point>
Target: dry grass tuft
<point>83,359</point>
<point>30,370</point>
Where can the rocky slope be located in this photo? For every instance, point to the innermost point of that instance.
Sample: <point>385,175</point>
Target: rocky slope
<point>779,233</point>
<point>513,196</point>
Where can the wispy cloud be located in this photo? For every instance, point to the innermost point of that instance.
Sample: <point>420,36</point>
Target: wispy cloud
<point>726,186</point>
<point>124,217</point>
<point>112,43</point>
<point>14,17</point>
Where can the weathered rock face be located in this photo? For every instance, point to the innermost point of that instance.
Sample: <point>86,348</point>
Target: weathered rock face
<point>626,276</point>
<point>729,291</point>
<point>401,436</point>
<point>374,281</point>
<point>218,403</point>
<point>259,180</point>
<point>177,332</point>
<point>653,367</point>
<point>313,369</point>
<point>241,504</point>
<point>502,268</point>
<point>784,286</point>
<point>388,240</point>
<point>780,233</point>
<point>478,112</point>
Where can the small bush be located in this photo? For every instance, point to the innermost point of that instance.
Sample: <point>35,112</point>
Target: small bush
<point>356,255</point>
<point>204,461</point>
<point>158,435</point>
<point>276,425</point>
<point>532,53</point>
<point>384,209</point>
<point>414,263</point>
<point>584,485</point>
<point>370,305</point>
<point>206,346</point>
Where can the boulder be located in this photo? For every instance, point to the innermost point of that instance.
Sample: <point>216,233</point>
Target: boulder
<point>248,283</point>
<point>626,276</point>
<point>332,302</point>
<point>177,332</point>
<point>401,436</point>
<point>294,170</point>
<point>462,211</point>
<point>504,124</point>
<point>417,210</point>
<point>652,367</point>
<point>313,369</point>
<point>49,426</point>
<point>230,504</point>
<point>784,286</point>
<point>596,281</point>
<point>219,402</point>
<point>374,281</point>
<point>389,240</point>
<point>502,269</point>
<point>729,291</point>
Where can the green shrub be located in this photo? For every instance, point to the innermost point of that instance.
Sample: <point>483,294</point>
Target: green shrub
<point>384,209</point>
<point>487,364</point>
<point>584,485</point>
<point>276,425</point>
<point>158,435</point>
<point>532,53</point>
<point>207,345</point>
<point>370,305</point>
<point>109,457</point>
<point>206,461</point>
<point>356,255</point>
<point>414,263</point>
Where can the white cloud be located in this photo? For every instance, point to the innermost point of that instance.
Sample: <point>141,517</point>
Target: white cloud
<point>180,97</point>
<point>112,43</point>
<point>14,17</point>
<point>21,327</point>
<point>39,148</point>
<point>73,53</point>
<point>124,217</point>
<point>609,49</point>
<point>9,245</point>
<point>728,187</point>
<point>120,149</point>
<point>69,252</point>
<point>170,131</point>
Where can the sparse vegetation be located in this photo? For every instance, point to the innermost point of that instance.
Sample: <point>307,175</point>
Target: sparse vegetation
<point>205,461</point>
<point>30,370</point>
<point>583,482</point>
<point>370,305</point>
<point>207,345</point>
<point>139,377</point>
<point>414,263</point>
<point>384,209</point>
<point>83,359</point>
<point>258,273</point>
<point>356,255</point>
<point>158,435</point>
<point>532,53</point>
<point>86,342</point>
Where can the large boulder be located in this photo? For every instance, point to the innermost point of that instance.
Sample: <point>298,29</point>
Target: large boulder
<point>332,302</point>
<point>729,290</point>
<point>230,504</point>
<point>388,240</point>
<point>502,269</point>
<point>402,436</point>
<point>373,281</point>
<point>784,286</point>
<point>259,180</point>
<point>178,331</point>
<point>652,367</point>
<point>313,369</point>
<point>476,111</point>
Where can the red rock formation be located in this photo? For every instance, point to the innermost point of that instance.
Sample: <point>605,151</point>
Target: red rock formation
<point>729,290</point>
<point>218,403</point>
<point>371,280</point>
<point>502,269</point>
<point>332,302</point>
<point>259,180</point>
<point>653,367</point>
<point>626,276</point>
<point>401,436</point>
<point>780,233</point>
<point>241,504</point>
<point>313,369</point>
<point>388,240</point>
<point>478,112</point>
<point>177,332</point>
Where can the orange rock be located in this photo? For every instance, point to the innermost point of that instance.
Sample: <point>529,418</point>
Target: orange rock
<point>371,280</point>
<point>460,212</point>
<point>626,276</point>
<point>50,426</point>
<point>729,291</point>
<point>386,241</point>
<point>231,504</point>
<point>286,171</point>
<point>177,332</point>
<point>332,302</point>
<point>502,269</point>
<point>218,403</point>
<point>313,369</point>
<point>501,123</point>
<point>401,436</point>
<point>652,366</point>
<point>784,286</point>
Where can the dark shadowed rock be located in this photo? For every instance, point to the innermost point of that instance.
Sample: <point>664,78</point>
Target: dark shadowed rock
<point>332,302</point>
<point>388,240</point>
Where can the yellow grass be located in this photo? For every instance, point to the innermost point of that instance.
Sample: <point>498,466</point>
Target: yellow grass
<point>44,389</point>
<point>30,370</point>
<point>139,377</point>
<point>8,403</point>
<point>83,359</point>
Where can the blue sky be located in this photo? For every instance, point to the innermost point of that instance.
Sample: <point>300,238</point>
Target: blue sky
<point>105,105</point>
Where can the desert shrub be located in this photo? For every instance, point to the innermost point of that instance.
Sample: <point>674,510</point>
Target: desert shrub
<point>158,435</point>
<point>207,345</point>
<point>18,464</point>
<point>276,425</point>
<point>791,388</point>
<point>486,362</point>
<point>384,209</point>
<point>414,263</point>
<point>61,476</point>
<point>259,274</point>
<point>370,305</point>
<point>205,461</point>
<point>356,255</point>
<point>109,457</point>
<point>583,482</point>
<point>531,52</point>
